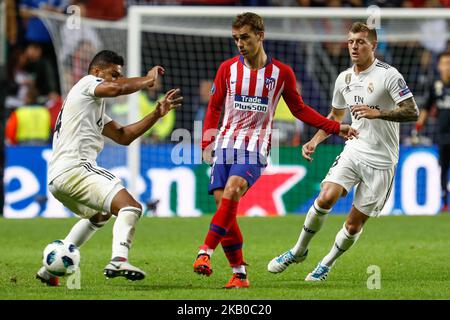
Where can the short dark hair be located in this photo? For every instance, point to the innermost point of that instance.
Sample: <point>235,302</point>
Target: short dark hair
<point>105,58</point>
<point>249,19</point>
<point>362,27</point>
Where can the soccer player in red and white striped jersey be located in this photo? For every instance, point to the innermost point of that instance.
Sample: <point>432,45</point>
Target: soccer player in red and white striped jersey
<point>249,86</point>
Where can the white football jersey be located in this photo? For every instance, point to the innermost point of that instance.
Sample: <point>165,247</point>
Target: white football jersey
<point>382,87</point>
<point>78,131</point>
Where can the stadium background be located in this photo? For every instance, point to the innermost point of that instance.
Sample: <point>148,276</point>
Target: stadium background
<point>191,59</point>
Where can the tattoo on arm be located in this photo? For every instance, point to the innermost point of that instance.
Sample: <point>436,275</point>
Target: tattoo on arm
<point>407,111</point>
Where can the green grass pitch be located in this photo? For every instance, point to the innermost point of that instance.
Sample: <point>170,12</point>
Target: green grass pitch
<point>412,253</point>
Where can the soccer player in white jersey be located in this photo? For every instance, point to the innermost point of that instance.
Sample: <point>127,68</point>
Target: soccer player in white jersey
<point>378,98</point>
<point>249,87</point>
<point>74,178</point>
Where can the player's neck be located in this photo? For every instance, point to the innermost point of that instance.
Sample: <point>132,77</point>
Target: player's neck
<point>256,62</point>
<point>364,66</point>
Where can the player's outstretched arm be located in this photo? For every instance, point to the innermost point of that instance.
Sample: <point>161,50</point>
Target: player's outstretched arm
<point>407,111</point>
<point>345,131</point>
<point>123,86</point>
<point>124,135</point>
<point>305,113</point>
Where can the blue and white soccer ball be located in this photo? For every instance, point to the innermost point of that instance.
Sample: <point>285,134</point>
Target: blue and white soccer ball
<point>61,258</point>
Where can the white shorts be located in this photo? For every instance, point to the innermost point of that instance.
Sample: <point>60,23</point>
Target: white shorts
<point>373,186</point>
<point>86,190</point>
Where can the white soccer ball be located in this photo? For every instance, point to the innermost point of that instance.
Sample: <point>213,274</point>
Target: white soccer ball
<point>61,258</point>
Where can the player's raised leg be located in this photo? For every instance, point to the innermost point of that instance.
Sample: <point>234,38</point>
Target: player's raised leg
<point>128,212</point>
<point>84,229</point>
<point>314,221</point>
<point>345,239</point>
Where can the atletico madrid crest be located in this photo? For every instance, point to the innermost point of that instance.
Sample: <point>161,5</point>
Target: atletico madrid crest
<point>270,83</point>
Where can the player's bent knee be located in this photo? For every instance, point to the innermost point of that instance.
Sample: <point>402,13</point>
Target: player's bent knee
<point>231,190</point>
<point>353,228</point>
<point>137,205</point>
<point>328,197</point>
<point>100,219</point>
<point>326,200</point>
<point>235,191</point>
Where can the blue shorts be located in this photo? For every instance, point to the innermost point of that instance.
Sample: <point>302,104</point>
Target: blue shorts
<point>234,162</point>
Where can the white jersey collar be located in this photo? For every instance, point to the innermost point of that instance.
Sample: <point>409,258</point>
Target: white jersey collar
<point>367,70</point>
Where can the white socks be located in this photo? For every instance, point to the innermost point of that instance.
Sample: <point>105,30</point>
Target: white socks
<point>82,231</point>
<point>239,269</point>
<point>313,223</point>
<point>123,231</point>
<point>343,242</point>
<point>207,251</point>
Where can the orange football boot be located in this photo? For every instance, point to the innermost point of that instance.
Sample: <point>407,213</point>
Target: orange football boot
<point>238,280</point>
<point>202,265</point>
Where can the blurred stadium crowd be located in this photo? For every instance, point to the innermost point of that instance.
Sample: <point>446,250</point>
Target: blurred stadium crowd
<point>33,97</point>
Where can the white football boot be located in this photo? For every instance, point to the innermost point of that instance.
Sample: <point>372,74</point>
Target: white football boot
<point>47,278</point>
<point>280,263</point>
<point>123,269</point>
<point>320,273</point>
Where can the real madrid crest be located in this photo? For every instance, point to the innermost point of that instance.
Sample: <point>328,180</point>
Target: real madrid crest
<point>370,88</point>
<point>348,78</point>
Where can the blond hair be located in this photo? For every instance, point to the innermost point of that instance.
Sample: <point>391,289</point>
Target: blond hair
<point>362,27</point>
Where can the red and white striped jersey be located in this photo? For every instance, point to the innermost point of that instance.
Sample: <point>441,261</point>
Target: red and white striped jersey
<point>250,98</point>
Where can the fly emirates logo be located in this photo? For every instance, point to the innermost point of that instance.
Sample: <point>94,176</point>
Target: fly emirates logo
<point>250,103</point>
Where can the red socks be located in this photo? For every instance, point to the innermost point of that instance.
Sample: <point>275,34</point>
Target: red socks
<point>232,245</point>
<point>221,222</point>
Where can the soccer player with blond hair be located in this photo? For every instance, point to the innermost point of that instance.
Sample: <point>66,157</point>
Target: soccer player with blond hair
<point>378,98</point>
